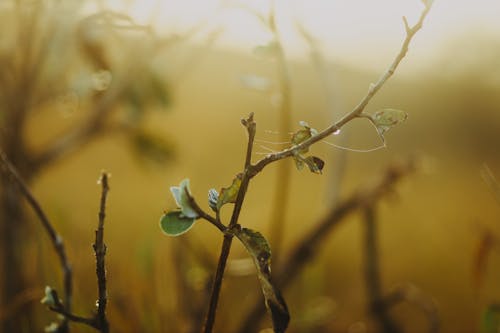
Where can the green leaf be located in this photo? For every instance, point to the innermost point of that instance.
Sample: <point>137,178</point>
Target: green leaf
<point>182,196</point>
<point>387,118</point>
<point>175,223</point>
<point>315,164</point>
<point>49,299</point>
<point>229,194</point>
<point>260,251</point>
<point>302,135</point>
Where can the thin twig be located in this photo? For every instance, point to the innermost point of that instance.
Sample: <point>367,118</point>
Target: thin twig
<point>228,237</point>
<point>307,248</point>
<point>100,253</point>
<point>357,111</point>
<point>372,273</point>
<point>55,238</point>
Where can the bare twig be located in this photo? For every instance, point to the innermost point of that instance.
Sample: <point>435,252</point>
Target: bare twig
<point>228,237</point>
<point>372,273</point>
<point>357,111</point>
<point>307,248</point>
<point>100,253</point>
<point>56,240</point>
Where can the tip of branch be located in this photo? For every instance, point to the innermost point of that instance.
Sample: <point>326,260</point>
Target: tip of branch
<point>407,26</point>
<point>103,180</point>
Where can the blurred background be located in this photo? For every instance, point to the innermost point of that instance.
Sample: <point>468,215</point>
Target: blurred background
<point>153,92</point>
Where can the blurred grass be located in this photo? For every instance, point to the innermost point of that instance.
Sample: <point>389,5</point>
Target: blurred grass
<point>428,229</point>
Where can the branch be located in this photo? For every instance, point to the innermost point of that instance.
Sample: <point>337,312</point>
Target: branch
<point>55,238</point>
<point>76,138</point>
<point>100,253</point>
<point>228,237</point>
<point>357,111</point>
<point>372,273</point>
<point>411,294</point>
<point>307,248</point>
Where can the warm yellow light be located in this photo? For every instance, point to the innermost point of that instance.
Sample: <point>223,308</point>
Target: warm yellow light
<point>359,31</point>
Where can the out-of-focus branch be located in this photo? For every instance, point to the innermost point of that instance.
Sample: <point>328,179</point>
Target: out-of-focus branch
<point>282,187</point>
<point>308,247</point>
<point>56,240</point>
<point>76,138</point>
<point>358,110</point>
<point>372,273</point>
<point>411,294</point>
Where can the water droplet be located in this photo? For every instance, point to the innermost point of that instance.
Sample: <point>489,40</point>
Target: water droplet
<point>337,131</point>
<point>97,303</point>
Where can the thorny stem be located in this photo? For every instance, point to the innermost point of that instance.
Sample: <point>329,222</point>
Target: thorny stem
<point>228,237</point>
<point>100,253</point>
<point>372,273</point>
<point>308,247</point>
<point>56,240</point>
<point>357,111</point>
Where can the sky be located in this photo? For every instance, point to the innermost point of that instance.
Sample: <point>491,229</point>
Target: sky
<point>360,32</point>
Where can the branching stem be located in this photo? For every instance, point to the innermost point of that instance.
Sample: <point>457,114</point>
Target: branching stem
<point>228,237</point>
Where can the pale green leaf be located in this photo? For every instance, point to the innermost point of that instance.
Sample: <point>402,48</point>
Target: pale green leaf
<point>175,223</point>
<point>387,118</point>
<point>229,194</point>
<point>49,299</point>
<point>182,195</point>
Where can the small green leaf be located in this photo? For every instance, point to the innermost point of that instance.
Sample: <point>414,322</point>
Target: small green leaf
<point>260,251</point>
<point>52,328</point>
<point>182,195</point>
<point>302,135</point>
<point>387,118</point>
<point>175,223</point>
<point>49,297</point>
<point>213,197</point>
<point>315,164</point>
<point>229,194</point>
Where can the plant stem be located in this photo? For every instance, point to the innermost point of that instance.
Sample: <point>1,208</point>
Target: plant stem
<point>372,273</point>
<point>55,238</point>
<point>228,237</point>
<point>100,253</point>
<point>357,111</point>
